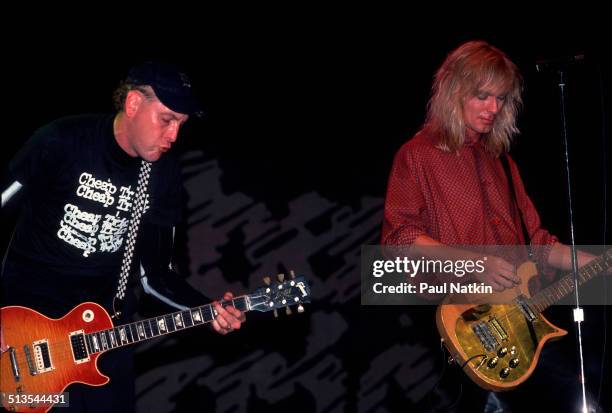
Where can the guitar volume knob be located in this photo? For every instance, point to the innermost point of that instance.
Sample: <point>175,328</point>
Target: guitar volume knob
<point>492,362</point>
<point>502,351</point>
<point>504,372</point>
<point>514,363</point>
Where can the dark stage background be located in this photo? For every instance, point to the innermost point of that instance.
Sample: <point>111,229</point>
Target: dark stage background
<point>288,171</point>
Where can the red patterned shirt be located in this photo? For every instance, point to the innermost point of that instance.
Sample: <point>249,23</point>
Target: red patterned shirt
<point>457,198</point>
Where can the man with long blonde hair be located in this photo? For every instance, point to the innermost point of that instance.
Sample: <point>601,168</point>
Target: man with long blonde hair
<point>448,185</point>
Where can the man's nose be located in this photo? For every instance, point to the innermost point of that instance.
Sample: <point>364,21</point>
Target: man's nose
<point>493,104</point>
<point>172,133</point>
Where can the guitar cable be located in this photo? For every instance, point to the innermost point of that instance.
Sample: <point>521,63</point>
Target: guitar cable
<point>484,357</point>
<point>458,398</point>
<point>456,402</point>
<point>445,362</point>
<point>431,392</point>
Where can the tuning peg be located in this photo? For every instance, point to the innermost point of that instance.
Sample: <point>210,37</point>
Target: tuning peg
<point>266,280</point>
<point>292,274</point>
<point>281,277</point>
<point>275,313</point>
<point>300,308</point>
<point>288,310</point>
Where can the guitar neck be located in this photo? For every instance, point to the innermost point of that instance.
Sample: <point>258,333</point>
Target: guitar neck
<point>143,330</point>
<point>555,292</point>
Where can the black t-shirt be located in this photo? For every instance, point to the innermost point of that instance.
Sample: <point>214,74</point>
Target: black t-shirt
<point>79,188</point>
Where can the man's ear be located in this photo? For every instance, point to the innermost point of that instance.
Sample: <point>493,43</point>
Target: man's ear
<point>133,100</point>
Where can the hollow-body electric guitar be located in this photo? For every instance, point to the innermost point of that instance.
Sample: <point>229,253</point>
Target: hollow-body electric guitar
<point>498,345</point>
<point>42,356</point>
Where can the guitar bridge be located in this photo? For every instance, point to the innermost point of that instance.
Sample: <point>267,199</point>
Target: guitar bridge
<point>484,334</point>
<point>29,360</point>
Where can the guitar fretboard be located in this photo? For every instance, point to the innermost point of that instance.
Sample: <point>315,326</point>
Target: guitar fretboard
<point>555,292</point>
<point>138,331</point>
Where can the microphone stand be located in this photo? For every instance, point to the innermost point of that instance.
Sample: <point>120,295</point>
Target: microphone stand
<point>578,311</point>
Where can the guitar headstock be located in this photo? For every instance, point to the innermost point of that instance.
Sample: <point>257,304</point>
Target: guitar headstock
<point>281,293</point>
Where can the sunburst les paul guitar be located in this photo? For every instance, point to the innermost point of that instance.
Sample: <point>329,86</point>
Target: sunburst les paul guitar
<point>498,345</point>
<point>43,356</point>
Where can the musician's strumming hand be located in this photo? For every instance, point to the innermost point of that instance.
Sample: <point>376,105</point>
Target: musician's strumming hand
<point>228,318</point>
<point>499,274</point>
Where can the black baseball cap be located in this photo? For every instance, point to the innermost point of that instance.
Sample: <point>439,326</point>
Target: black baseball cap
<point>171,85</point>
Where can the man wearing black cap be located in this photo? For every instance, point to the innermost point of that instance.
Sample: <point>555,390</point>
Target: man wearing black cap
<point>81,178</point>
<point>153,103</point>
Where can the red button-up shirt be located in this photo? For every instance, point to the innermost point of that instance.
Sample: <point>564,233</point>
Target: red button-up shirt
<point>457,198</point>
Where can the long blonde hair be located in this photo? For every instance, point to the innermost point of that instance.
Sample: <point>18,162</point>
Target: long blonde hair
<point>472,67</point>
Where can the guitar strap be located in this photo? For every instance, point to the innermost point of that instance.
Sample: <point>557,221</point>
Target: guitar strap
<point>526,237</point>
<point>138,208</point>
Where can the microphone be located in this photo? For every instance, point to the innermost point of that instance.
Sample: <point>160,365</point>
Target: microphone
<point>558,62</point>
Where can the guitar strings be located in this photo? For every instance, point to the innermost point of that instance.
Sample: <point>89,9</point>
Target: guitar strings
<point>63,349</point>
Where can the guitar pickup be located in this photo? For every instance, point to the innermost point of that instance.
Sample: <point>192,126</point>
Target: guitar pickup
<point>497,327</point>
<point>42,356</point>
<point>78,347</point>
<point>526,309</point>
